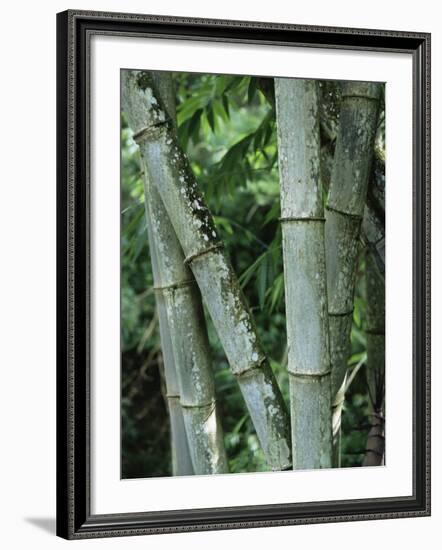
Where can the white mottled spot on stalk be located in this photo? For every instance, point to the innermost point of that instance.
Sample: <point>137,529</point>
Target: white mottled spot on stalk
<point>284,451</point>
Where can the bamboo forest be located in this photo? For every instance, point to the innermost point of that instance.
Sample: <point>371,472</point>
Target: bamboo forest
<point>252,274</point>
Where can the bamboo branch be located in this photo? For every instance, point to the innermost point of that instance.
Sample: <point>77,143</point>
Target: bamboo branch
<point>304,272</point>
<point>375,331</point>
<point>345,207</point>
<point>170,172</point>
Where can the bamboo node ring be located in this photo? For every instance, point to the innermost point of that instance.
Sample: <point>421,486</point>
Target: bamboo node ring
<point>173,286</point>
<point>301,219</point>
<point>202,406</point>
<point>343,213</point>
<point>192,257</point>
<point>360,96</point>
<point>340,314</point>
<point>374,332</point>
<point>144,133</point>
<point>310,375</point>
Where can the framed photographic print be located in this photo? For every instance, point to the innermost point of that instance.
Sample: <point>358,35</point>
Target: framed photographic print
<point>243,274</point>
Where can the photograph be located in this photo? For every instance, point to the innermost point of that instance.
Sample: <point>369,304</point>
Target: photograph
<point>252,274</point>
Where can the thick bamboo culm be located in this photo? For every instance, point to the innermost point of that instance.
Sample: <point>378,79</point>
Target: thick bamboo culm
<point>373,237</point>
<point>373,222</point>
<point>302,218</point>
<point>169,171</point>
<point>181,460</point>
<point>183,331</point>
<point>344,211</point>
<point>375,332</point>
<point>176,290</point>
<point>180,452</point>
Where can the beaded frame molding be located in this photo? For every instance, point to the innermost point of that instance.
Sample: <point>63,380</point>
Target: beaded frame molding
<point>74,518</point>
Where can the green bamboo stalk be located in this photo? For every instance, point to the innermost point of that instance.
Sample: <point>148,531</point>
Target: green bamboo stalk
<point>176,289</point>
<point>180,299</point>
<point>181,459</point>
<point>169,171</point>
<point>373,223</point>
<point>302,216</point>
<point>375,332</point>
<point>373,237</point>
<point>344,210</point>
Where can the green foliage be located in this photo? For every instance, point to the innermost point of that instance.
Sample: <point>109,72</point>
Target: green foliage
<point>228,129</point>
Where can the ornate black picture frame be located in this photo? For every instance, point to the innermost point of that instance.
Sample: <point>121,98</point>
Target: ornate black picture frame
<point>74,518</point>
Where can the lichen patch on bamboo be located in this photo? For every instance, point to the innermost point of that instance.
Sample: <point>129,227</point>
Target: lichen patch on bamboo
<point>206,445</point>
<point>231,317</point>
<point>266,407</point>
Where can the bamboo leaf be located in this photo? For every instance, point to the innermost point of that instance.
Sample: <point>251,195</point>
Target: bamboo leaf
<point>210,117</point>
<point>250,271</point>
<point>219,110</point>
<point>194,125</point>
<point>225,102</point>
<point>224,223</point>
<point>262,280</point>
<point>276,292</point>
<point>273,213</point>
<point>251,90</point>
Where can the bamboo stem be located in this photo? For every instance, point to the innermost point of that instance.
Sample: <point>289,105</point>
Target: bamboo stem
<point>373,223</point>
<point>345,206</point>
<point>184,323</point>
<point>181,456</point>
<point>169,171</point>
<point>304,269</point>
<point>373,226</point>
<point>176,287</point>
<point>375,331</point>
<point>181,459</point>
<point>373,237</point>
